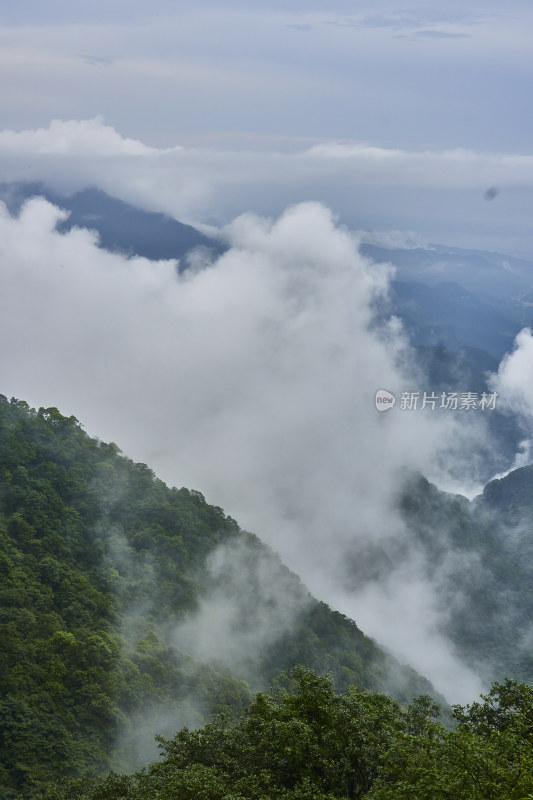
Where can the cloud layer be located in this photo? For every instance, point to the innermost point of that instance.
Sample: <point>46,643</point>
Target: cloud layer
<point>251,379</point>
<point>441,76</point>
<point>438,193</point>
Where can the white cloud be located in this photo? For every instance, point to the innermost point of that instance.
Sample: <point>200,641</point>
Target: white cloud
<point>514,381</point>
<point>230,625</point>
<point>439,192</point>
<point>404,611</point>
<point>74,139</point>
<point>458,168</point>
<point>252,380</point>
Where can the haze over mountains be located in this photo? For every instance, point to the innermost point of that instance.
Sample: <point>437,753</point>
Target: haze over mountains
<point>280,256</point>
<point>246,365</point>
<point>460,309</point>
<point>444,295</point>
<point>258,385</point>
<point>120,226</point>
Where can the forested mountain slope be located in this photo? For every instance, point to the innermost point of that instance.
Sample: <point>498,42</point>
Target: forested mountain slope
<point>477,556</point>
<point>108,581</point>
<point>511,497</point>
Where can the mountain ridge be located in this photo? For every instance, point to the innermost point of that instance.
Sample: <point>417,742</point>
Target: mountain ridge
<point>120,226</point>
<point>104,571</point>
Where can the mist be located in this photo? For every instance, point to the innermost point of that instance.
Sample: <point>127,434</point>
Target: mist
<point>250,600</point>
<point>514,380</point>
<point>440,192</point>
<point>251,378</point>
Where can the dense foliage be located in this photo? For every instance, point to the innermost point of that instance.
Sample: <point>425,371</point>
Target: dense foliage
<point>71,675</point>
<point>313,744</point>
<point>100,565</point>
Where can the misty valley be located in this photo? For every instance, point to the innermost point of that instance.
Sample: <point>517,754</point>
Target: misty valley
<point>370,635</point>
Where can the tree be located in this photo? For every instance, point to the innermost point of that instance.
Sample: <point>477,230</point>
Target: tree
<point>489,755</point>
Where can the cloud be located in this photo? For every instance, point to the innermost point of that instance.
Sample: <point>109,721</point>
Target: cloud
<point>386,21</point>
<point>405,607</point>
<point>73,139</point>
<point>460,168</point>
<point>410,22</point>
<point>514,380</point>
<point>252,380</point>
<point>369,186</point>
<point>252,600</point>
<point>513,384</point>
<point>83,143</point>
<point>243,70</point>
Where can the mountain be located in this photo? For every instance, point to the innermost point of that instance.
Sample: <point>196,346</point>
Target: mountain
<point>120,226</point>
<point>447,369</point>
<point>493,277</point>
<point>446,313</point>
<point>477,555</point>
<point>128,608</point>
<point>461,311</point>
<point>511,497</point>
<point>467,370</point>
<point>447,295</point>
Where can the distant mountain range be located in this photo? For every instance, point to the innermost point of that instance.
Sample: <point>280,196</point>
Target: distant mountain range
<point>459,297</point>
<point>493,277</point>
<point>120,226</point>
<point>447,313</point>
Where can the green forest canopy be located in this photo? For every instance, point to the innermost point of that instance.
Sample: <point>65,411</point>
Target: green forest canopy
<point>310,743</point>
<point>96,557</point>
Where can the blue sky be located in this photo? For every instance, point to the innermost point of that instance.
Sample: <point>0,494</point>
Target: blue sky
<point>233,77</point>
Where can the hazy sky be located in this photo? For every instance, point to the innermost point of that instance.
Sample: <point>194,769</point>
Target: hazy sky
<point>427,107</point>
<point>438,74</point>
<point>434,97</point>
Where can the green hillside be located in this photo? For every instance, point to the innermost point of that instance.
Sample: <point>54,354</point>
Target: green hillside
<point>105,576</point>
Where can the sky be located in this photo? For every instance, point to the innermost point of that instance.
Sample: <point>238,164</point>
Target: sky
<point>284,126</point>
<point>434,75</point>
<point>396,116</point>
